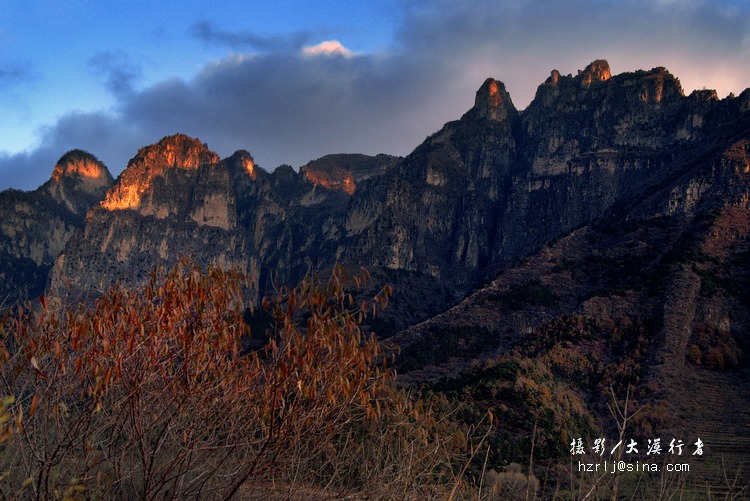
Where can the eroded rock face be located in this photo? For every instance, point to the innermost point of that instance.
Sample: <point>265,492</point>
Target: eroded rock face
<point>35,226</point>
<point>475,197</point>
<point>174,199</point>
<point>334,179</point>
<point>493,102</point>
<point>231,212</point>
<point>173,152</point>
<point>79,180</point>
<point>344,170</point>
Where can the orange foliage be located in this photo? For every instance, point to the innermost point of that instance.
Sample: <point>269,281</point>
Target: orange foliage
<point>148,393</point>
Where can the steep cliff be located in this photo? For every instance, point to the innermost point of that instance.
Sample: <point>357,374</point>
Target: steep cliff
<point>35,226</point>
<point>493,186</point>
<point>79,181</point>
<point>648,299</point>
<point>178,198</point>
<point>473,199</point>
<point>174,199</point>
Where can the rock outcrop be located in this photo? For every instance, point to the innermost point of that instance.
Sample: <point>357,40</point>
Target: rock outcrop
<point>473,199</point>
<point>151,163</point>
<point>178,198</point>
<point>79,181</point>
<point>35,226</point>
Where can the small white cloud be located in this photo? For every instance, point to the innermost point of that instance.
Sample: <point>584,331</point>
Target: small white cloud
<point>327,48</point>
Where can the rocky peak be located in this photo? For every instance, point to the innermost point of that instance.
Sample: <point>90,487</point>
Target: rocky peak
<point>332,179</point>
<point>333,172</point>
<point>493,102</point>
<point>704,95</point>
<point>172,152</point>
<point>660,85</point>
<point>177,151</point>
<point>78,180</point>
<point>554,79</point>
<point>597,71</point>
<point>242,165</point>
<point>81,166</point>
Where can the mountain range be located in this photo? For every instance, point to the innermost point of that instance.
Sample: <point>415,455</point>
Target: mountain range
<point>597,240</point>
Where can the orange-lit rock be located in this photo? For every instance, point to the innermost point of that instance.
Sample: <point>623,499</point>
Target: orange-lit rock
<point>554,78</point>
<point>172,152</point>
<point>249,165</point>
<point>336,178</point>
<point>77,180</point>
<point>597,71</point>
<point>35,226</point>
<point>81,164</point>
<point>493,102</point>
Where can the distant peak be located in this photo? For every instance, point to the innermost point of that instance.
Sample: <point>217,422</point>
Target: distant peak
<point>554,78</point>
<point>597,71</point>
<point>493,101</point>
<point>78,177</point>
<point>178,151</point>
<point>244,161</point>
<point>332,177</point>
<point>81,164</point>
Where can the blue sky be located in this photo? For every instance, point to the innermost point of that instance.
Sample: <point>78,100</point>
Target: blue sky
<point>293,80</point>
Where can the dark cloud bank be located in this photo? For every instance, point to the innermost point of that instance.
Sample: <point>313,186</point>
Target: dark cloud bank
<point>287,107</point>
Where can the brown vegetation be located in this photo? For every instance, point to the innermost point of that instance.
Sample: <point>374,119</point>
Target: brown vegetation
<point>148,395</point>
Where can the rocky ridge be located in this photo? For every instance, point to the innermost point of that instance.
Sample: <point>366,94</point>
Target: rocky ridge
<point>473,199</point>
<point>35,226</point>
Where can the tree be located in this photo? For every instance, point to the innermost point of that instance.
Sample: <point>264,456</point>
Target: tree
<point>147,394</point>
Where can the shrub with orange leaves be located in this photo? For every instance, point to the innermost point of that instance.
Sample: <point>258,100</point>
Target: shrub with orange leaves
<point>148,394</point>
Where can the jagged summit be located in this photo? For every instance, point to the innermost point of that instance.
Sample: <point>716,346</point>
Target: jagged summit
<point>78,179</point>
<point>176,151</point>
<point>172,152</point>
<point>597,71</point>
<point>493,102</point>
<point>596,81</point>
<point>246,161</point>
<point>81,164</point>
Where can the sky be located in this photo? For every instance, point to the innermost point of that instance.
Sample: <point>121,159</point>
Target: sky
<point>290,81</point>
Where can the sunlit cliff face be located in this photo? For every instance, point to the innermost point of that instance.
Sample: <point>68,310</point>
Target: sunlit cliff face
<point>494,95</point>
<point>249,166</point>
<point>598,71</point>
<point>128,197</point>
<point>340,180</point>
<point>89,170</point>
<point>173,152</point>
<point>80,167</point>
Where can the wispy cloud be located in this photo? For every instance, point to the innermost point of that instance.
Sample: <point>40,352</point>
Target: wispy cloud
<point>13,73</point>
<point>208,33</point>
<point>117,71</point>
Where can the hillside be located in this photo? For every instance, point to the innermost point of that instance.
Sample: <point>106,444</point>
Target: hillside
<point>35,226</point>
<point>648,299</point>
